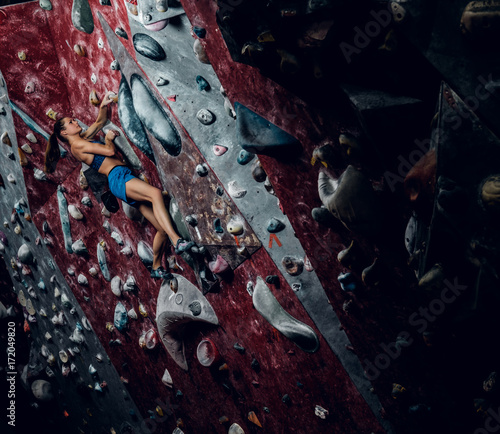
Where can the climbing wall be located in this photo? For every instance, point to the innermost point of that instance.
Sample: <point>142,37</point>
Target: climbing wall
<point>303,286</point>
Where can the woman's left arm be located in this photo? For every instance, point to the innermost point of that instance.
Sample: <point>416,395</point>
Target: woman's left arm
<point>102,118</point>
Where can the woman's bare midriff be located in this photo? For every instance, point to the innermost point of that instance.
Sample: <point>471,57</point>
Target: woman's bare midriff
<point>108,164</point>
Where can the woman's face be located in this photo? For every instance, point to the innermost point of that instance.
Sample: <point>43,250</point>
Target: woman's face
<point>71,127</point>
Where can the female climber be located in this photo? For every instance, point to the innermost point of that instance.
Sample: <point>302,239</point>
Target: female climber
<point>125,186</point>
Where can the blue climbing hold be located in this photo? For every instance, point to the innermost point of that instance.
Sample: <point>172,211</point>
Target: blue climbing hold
<point>202,83</point>
<point>218,226</point>
<point>347,282</point>
<point>121,318</point>
<point>148,47</point>
<point>244,157</point>
<point>274,225</point>
<point>199,31</point>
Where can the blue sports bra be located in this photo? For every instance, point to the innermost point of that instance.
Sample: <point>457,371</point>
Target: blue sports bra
<point>98,159</point>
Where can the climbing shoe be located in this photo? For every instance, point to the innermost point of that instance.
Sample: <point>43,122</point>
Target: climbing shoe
<point>161,273</point>
<point>183,246</point>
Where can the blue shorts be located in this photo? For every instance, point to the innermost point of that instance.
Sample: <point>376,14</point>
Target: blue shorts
<point>117,178</point>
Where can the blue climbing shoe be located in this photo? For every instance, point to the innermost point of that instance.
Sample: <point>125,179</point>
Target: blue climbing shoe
<point>161,273</point>
<point>183,246</point>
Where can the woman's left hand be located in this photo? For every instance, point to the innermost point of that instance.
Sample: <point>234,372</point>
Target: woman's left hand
<point>108,98</point>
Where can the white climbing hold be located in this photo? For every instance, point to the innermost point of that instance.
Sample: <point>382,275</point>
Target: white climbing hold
<point>31,137</point>
<point>71,271</point>
<point>250,288</point>
<point>167,379</point>
<point>93,78</point>
<point>58,319</point>
<point>235,191</point>
<point>75,212</point>
<point>17,230</point>
<point>106,226</point>
<point>100,43</point>
<point>117,237</point>
<point>79,247</point>
<point>57,293</point>
<point>40,175</point>
<point>27,148</point>
<point>86,201</point>
<point>116,286</point>
<point>127,251</point>
<point>132,313</point>
<point>93,271</point>
<point>145,253</point>
<point>321,412</point>
<point>11,178</point>
<point>105,212</point>
<point>130,284</point>
<point>82,280</point>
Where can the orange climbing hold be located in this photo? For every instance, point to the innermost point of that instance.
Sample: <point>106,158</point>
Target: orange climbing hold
<point>252,417</point>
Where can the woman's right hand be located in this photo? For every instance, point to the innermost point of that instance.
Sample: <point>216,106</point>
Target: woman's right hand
<point>108,98</point>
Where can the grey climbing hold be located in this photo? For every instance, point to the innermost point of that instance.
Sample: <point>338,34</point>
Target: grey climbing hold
<point>117,237</point>
<point>162,81</point>
<point>81,15</point>
<point>79,247</point>
<point>274,225</point>
<point>63,214</point>
<point>145,253</point>
<point>191,220</point>
<point>299,333</point>
<point>206,117</point>
<point>115,66</point>
<point>86,201</point>
<point>172,318</point>
<point>25,254</point>
<point>130,122</point>
<point>42,390</point>
<point>116,286</point>
<point>121,318</point>
<point>148,47</point>
<point>45,4</point>
<point>258,172</point>
<point>153,116</point>
<point>259,136</point>
<point>101,258</point>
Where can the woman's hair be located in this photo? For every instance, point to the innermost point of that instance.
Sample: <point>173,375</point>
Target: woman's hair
<point>52,153</point>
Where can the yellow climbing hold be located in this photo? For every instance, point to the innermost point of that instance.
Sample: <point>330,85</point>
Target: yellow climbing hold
<point>51,114</point>
<point>21,55</point>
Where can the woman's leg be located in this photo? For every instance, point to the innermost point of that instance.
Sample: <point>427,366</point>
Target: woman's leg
<point>160,238</point>
<point>137,189</point>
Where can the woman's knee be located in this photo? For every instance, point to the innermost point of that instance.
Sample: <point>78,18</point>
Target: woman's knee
<point>156,195</point>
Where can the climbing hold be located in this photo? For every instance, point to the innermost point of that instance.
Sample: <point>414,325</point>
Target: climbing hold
<point>24,254</point>
<point>206,117</point>
<point>116,286</point>
<point>433,279</point>
<point>86,201</point>
<point>347,282</point>
<point>162,5</point>
<point>235,226</point>
<point>219,265</point>
<point>203,84</point>
<point>127,251</point>
<point>79,248</point>
<point>207,353</point>
<point>199,31</point>
<point>82,280</point>
<point>489,384</point>
<point>93,271</point>
<point>252,417</point>
<point>172,316</point>
<point>115,66</point>
<point>236,429</point>
<point>6,139</point>
<point>244,157</point>
<point>132,314</point>
<point>21,55</point>
<point>321,412</point>
<point>257,135</point>
<point>234,190</point>
<point>83,181</point>
<point>167,379</point>
<point>42,390</point>
<point>266,304</point>
<point>274,225</point>
<point>372,274</point>
<point>148,47</point>
<point>53,115</point>
<point>200,53</point>
<point>31,137</point>
<point>65,300</point>
<point>219,150</point>
<point>218,226</point>
<point>151,113</point>
<point>273,280</point>
<point>27,148</point>
<point>142,310</point>
<point>349,256</point>
<point>239,348</point>
<point>63,214</point>
<point>307,264</point>
<point>81,16</point>
<point>255,365</point>
<point>286,399</point>
<point>121,318</point>
<point>100,43</point>
<point>101,258</point>
<point>191,219</point>
<point>117,237</point>
<point>93,98</point>
<point>121,33</point>
<point>258,172</point>
<point>93,78</point>
<point>352,200</point>
<point>145,253</point>
<point>78,49</point>
<point>130,284</point>
<point>397,390</point>
<point>30,87</point>
<point>293,266</point>
<point>45,4</point>
<point>202,169</point>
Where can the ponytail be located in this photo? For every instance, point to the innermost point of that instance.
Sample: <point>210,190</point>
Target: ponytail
<point>52,153</point>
